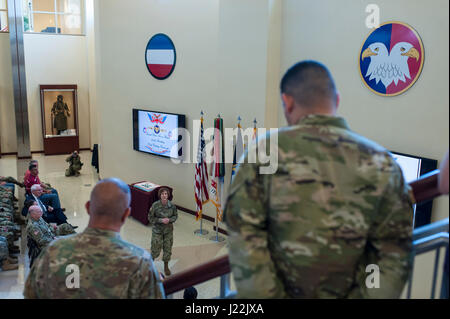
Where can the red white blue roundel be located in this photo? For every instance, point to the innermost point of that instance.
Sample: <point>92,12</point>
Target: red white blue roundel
<point>391,59</point>
<point>160,56</point>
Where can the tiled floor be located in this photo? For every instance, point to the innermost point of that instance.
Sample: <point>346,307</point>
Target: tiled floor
<point>188,250</point>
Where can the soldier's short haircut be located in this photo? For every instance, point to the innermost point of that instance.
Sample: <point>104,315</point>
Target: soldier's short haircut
<point>34,208</point>
<point>107,201</point>
<point>309,83</point>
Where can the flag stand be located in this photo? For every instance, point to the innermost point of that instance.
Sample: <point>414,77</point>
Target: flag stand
<point>217,238</point>
<point>201,231</point>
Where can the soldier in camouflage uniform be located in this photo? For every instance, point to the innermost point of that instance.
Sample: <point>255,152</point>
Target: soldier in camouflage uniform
<point>337,203</point>
<point>75,164</point>
<point>109,267</point>
<point>11,180</point>
<point>161,216</point>
<point>9,230</point>
<point>6,262</point>
<point>42,232</point>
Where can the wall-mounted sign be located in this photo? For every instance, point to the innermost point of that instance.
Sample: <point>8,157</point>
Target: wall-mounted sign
<point>391,59</point>
<point>160,56</point>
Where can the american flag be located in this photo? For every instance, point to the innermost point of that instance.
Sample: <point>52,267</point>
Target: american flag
<point>201,175</point>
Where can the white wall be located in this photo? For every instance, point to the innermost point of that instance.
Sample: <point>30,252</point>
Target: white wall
<point>415,122</point>
<point>56,59</point>
<point>8,139</point>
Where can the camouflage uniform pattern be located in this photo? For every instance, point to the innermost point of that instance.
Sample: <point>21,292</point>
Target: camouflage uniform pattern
<point>4,252</point>
<point>11,180</point>
<point>109,268</point>
<point>162,235</point>
<point>337,203</point>
<point>75,165</point>
<point>9,229</point>
<point>43,233</point>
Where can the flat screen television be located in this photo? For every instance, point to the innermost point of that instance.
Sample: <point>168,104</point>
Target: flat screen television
<point>413,167</point>
<point>158,133</point>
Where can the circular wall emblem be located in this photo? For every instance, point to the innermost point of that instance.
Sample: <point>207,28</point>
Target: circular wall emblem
<point>160,56</point>
<point>391,59</point>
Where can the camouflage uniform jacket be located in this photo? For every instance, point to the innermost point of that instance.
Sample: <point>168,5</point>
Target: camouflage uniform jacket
<point>158,211</point>
<point>75,162</point>
<point>40,231</point>
<point>109,267</point>
<point>337,203</point>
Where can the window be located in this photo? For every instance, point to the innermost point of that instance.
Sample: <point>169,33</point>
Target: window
<point>53,16</point>
<point>3,16</point>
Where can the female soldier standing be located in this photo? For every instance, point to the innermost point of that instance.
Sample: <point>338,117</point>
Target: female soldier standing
<point>161,216</point>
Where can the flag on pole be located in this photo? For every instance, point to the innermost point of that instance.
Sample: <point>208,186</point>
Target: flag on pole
<point>218,168</point>
<point>238,152</point>
<point>201,175</point>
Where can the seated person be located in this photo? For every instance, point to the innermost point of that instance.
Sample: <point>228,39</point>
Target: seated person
<point>32,178</point>
<point>50,213</point>
<point>75,164</point>
<point>41,232</point>
<point>49,197</point>
<point>46,186</point>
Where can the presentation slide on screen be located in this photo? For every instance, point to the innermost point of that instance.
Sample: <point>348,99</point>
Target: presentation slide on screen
<point>156,131</point>
<point>409,165</point>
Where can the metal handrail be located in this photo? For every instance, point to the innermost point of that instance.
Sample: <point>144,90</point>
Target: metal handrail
<point>424,245</point>
<point>433,228</point>
<point>425,237</point>
<point>429,243</point>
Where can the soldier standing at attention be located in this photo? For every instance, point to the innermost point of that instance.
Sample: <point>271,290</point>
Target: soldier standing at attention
<point>161,216</point>
<point>337,203</point>
<point>108,267</point>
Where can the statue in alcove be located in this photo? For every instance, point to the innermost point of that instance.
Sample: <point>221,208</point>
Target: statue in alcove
<point>60,112</point>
